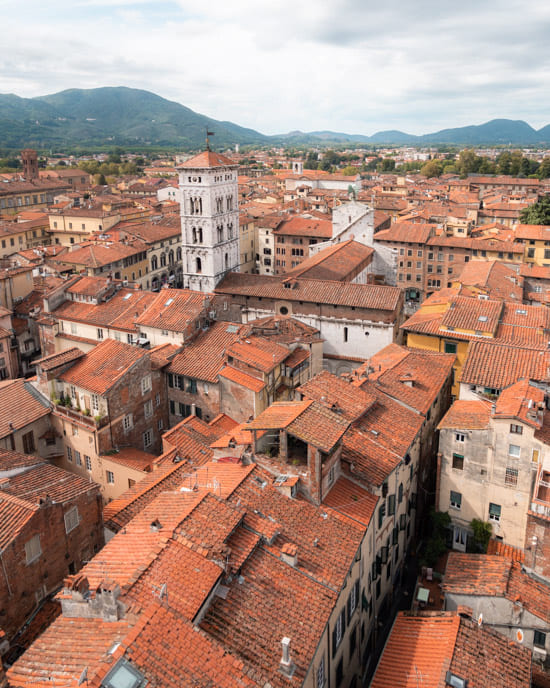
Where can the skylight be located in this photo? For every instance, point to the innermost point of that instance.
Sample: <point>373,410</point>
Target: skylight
<point>169,302</point>
<point>520,311</point>
<point>124,675</point>
<point>482,318</point>
<point>126,297</point>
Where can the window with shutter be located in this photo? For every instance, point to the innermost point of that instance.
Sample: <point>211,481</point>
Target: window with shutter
<point>391,505</point>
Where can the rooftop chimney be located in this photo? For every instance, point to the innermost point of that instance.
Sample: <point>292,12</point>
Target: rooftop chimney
<point>289,554</point>
<point>287,666</point>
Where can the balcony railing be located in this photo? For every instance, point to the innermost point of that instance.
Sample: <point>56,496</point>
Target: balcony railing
<point>79,417</point>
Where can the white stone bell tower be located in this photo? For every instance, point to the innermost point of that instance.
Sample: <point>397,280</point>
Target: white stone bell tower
<point>209,219</point>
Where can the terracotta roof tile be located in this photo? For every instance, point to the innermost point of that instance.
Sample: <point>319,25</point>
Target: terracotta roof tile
<point>326,388</point>
<point>20,405</point>
<point>312,291</point>
<point>340,262</point>
<point>104,366</point>
<point>521,401</point>
<point>477,574</point>
<point>318,426</point>
<point>352,500</point>
<point>60,654</point>
<point>467,414</point>
<point>495,365</point>
<point>173,309</point>
<point>418,652</point>
<point>204,357</point>
<point>207,159</point>
<point>488,658</point>
<point>243,379</point>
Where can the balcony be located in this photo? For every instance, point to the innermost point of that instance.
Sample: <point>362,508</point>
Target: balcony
<point>79,417</point>
<point>540,503</point>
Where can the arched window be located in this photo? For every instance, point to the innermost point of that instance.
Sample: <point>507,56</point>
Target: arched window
<point>220,232</point>
<point>178,253</point>
<point>154,263</point>
<point>200,235</point>
<point>171,258</point>
<point>162,260</point>
<point>226,261</point>
<point>199,265</point>
<point>194,235</point>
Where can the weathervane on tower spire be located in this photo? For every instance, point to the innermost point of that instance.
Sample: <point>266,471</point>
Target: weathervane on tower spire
<point>208,133</point>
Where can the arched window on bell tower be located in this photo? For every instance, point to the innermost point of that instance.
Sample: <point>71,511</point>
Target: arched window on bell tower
<point>198,265</point>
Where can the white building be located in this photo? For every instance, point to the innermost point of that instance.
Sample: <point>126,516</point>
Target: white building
<point>209,219</point>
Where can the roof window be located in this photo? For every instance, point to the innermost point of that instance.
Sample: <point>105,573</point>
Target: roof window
<point>521,311</point>
<point>124,675</point>
<point>482,318</point>
<point>455,681</point>
<point>169,302</point>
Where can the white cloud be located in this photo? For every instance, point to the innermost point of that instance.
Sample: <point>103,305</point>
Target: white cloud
<point>351,65</point>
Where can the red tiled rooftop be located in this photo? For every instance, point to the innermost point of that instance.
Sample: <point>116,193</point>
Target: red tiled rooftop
<point>467,414</point>
<point>103,366</point>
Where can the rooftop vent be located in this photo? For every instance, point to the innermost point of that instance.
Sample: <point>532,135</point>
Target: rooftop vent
<point>287,666</point>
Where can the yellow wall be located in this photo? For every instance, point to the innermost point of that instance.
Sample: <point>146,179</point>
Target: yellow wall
<point>435,343</point>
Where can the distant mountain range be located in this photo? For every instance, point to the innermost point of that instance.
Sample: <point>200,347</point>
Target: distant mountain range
<point>99,117</point>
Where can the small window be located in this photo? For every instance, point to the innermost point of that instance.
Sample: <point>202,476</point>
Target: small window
<point>110,477</point>
<point>511,477</point>
<point>338,632</point>
<point>127,422</point>
<point>494,511</point>
<point>148,408</point>
<point>539,639</point>
<point>72,519</point>
<point>69,454</point>
<point>99,333</point>
<point>516,429</point>
<point>28,442</point>
<point>33,549</point>
<point>460,436</point>
<point>146,384</point>
<point>450,347</point>
<point>514,450</point>
<point>456,500</point>
<point>147,439</point>
<point>321,677</point>
<point>345,334</point>
<point>381,514</point>
<point>77,459</point>
<point>88,463</point>
<point>458,462</point>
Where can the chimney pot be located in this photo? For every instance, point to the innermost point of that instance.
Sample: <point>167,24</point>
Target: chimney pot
<point>287,665</point>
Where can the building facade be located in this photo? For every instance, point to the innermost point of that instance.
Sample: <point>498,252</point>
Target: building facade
<point>209,219</point>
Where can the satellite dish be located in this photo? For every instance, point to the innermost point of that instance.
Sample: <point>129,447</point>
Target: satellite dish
<point>480,619</point>
<point>519,635</point>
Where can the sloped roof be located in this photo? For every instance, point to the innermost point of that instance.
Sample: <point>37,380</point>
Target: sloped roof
<point>207,159</point>
<point>104,366</point>
<point>20,405</point>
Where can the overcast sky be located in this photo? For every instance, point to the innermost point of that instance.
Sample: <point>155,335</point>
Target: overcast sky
<point>355,66</point>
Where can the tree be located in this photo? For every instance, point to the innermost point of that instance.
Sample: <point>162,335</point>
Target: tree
<point>433,168</point>
<point>436,545</point>
<point>350,171</point>
<point>482,534</point>
<point>387,165</point>
<point>536,214</point>
<point>468,162</point>
<point>504,162</point>
<point>544,169</point>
